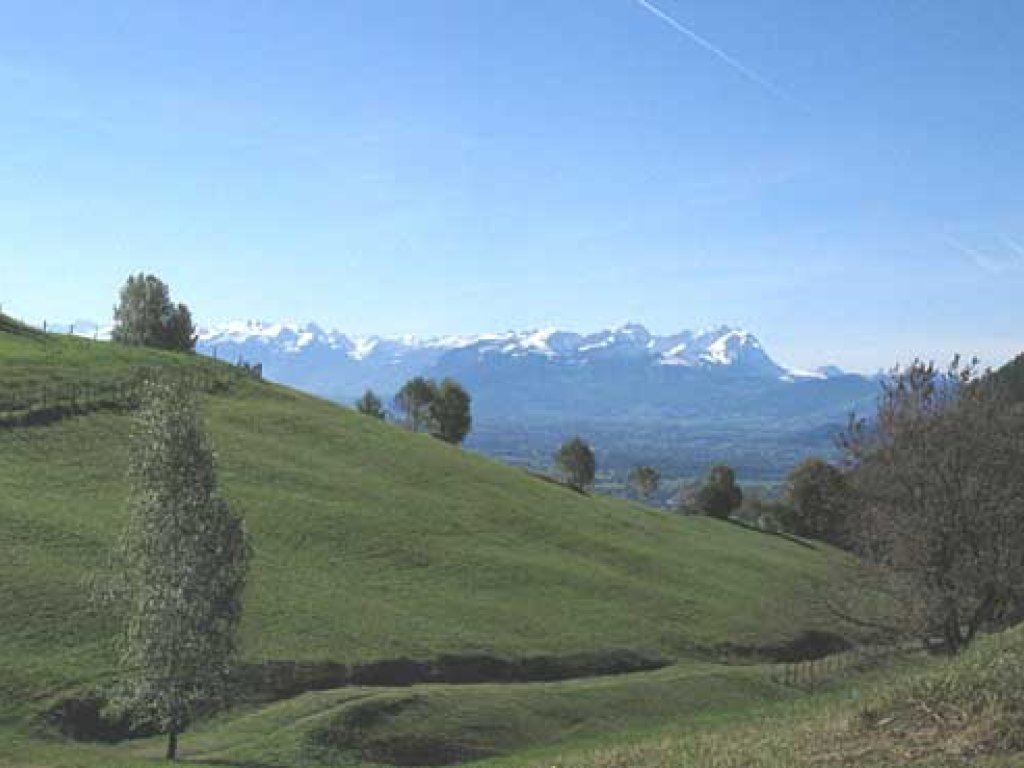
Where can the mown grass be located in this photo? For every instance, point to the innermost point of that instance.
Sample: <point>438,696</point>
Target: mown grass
<point>371,543</point>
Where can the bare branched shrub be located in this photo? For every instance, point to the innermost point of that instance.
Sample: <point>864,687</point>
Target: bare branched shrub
<point>937,479</point>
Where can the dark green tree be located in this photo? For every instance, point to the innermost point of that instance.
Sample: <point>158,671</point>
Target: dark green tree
<point>371,405</point>
<point>450,412</point>
<point>644,481</point>
<point>145,316</point>
<point>179,331</point>
<point>720,496</point>
<point>577,463</point>
<point>1010,378</point>
<point>182,570</point>
<point>816,493</point>
<point>414,402</point>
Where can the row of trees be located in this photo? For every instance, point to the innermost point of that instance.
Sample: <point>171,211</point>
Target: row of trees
<point>424,405</point>
<point>577,463</point>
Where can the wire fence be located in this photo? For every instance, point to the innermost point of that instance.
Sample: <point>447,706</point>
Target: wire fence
<point>32,405</point>
<point>814,673</point>
<point>82,328</point>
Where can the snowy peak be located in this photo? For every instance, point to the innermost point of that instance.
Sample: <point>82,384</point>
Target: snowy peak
<point>734,348</point>
<point>288,337</point>
<point>715,348</point>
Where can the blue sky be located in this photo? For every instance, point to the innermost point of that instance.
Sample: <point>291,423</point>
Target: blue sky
<point>843,178</point>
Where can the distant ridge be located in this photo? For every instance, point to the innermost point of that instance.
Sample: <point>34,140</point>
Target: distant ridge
<point>718,346</point>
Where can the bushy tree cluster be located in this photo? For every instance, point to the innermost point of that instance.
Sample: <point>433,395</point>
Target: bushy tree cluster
<point>815,504</point>
<point>145,316</point>
<point>719,496</point>
<point>442,409</point>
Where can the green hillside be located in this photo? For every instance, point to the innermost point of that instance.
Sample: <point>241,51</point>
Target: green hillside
<point>30,358</point>
<point>919,712</point>
<point>370,544</point>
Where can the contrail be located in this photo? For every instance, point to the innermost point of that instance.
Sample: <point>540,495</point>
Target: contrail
<point>1016,247</point>
<point>710,47</point>
<point>979,259</point>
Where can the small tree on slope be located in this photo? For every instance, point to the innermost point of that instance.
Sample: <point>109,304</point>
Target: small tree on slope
<point>414,400</point>
<point>185,557</point>
<point>371,405</point>
<point>450,412</point>
<point>577,463</point>
<point>644,481</point>
<point>720,496</point>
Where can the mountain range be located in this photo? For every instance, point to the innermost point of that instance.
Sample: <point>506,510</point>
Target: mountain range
<point>681,400</point>
<point>286,350</point>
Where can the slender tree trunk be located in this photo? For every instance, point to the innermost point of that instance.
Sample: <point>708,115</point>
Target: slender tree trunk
<point>172,743</point>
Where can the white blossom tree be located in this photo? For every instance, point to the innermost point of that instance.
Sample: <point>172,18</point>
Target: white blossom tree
<point>185,555</point>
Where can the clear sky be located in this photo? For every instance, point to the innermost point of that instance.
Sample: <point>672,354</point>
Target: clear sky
<point>844,178</point>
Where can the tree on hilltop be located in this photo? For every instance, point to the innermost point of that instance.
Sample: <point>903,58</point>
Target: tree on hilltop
<point>145,316</point>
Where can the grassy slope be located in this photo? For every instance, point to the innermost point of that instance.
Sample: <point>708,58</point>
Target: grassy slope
<point>371,543</point>
<point>922,712</point>
<point>913,711</point>
<point>467,721</point>
<point>31,358</point>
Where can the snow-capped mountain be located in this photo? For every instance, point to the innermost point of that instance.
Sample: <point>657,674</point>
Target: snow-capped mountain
<point>285,346</point>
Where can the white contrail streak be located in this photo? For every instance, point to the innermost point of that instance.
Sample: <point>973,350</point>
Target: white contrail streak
<point>1016,247</point>
<point>979,259</point>
<point>713,49</point>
